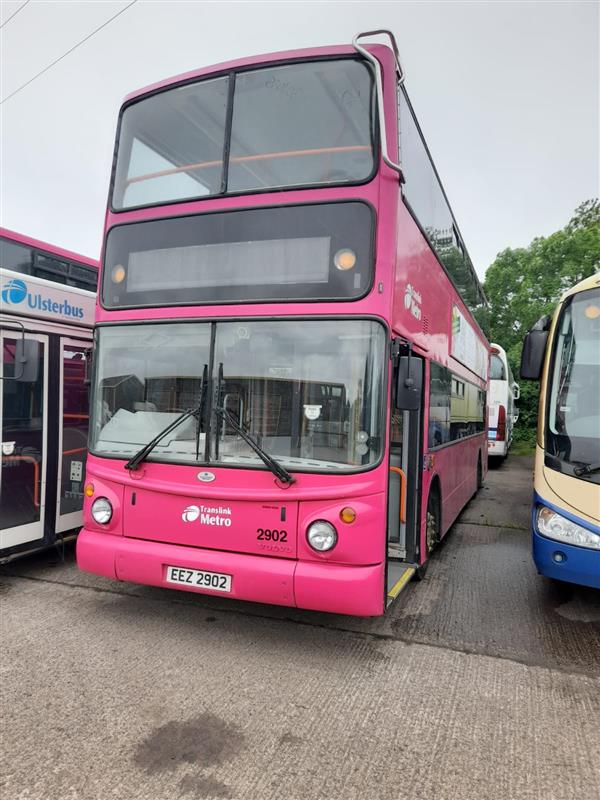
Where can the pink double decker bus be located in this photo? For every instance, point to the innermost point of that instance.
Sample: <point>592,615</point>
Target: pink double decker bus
<point>289,391</point>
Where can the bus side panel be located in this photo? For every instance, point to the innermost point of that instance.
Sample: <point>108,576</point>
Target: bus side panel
<point>456,468</point>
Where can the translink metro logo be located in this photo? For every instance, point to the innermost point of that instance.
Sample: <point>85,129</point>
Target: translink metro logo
<point>219,517</point>
<point>190,514</point>
<point>16,291</point>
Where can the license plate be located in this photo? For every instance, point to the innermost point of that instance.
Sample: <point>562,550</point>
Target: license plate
<point>199,578</point>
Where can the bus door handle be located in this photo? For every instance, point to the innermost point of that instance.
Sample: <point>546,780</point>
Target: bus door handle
<point>402,475</point>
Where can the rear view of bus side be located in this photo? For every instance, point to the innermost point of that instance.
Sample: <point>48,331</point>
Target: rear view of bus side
<point>503,412</point>
<point>564,352</point>
<point>289,395</point>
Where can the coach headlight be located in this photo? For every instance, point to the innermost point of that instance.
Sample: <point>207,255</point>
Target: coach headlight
<point>102,511</point>
<point>554,526</point>
<point>321,535</point>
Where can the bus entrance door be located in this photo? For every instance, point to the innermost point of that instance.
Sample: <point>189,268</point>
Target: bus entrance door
<point>23,420</point>
<point>404,475</point>
<point>72,434</point>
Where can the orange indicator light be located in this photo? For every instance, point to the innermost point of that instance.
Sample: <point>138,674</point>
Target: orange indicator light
<point>347,515</point>
<point>118,274</point>
<point>89,490</point>
<point>344,259</point>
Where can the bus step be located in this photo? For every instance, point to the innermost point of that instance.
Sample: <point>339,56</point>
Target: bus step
<point>398,577</point>
<point>395,551</point>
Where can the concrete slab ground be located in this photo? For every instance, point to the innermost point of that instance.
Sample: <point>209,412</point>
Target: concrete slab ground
<point>482,682</point>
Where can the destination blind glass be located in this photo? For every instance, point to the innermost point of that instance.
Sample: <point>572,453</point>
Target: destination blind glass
<point>311,252</point>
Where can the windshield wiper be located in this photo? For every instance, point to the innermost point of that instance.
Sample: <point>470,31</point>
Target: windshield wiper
<point>587,469</point>
<point>141,454</point>
<point>275,467</point>
<point>201,409</point>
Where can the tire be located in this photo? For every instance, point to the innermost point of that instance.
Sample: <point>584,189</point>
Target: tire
<point>432,531</point>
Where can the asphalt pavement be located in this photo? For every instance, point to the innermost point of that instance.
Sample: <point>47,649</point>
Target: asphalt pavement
<point>482,681</point>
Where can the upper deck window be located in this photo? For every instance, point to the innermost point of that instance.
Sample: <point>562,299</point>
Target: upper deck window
<point>423,192</point>
<point>31,261</point>
<point>304,124</point>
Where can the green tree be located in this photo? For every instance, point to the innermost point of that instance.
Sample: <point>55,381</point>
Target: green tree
<point>524,283</point>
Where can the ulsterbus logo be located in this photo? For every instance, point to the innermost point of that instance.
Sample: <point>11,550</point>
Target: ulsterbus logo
<point>16,291</point>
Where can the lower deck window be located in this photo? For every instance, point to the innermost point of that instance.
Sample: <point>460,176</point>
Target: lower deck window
<point>456,407</point>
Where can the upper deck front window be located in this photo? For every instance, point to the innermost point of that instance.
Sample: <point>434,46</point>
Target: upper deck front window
<point>304,124</point>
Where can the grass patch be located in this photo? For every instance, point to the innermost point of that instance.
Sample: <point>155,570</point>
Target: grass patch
<point>523,448</point>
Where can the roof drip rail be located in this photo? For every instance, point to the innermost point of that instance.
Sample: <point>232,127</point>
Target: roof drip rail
<point>379,87</point>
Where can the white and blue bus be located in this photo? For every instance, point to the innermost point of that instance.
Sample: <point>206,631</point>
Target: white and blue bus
<point>502,408</point>
<point>46,317</point>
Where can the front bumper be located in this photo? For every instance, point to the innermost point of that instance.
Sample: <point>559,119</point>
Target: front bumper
<point>579,565</point>
<point>340,589</point>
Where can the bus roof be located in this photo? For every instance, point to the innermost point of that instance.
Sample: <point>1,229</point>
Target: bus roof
<point>28,241</point>
<point>582,286</point>
<point>498,349</point>
<point>251,61</point>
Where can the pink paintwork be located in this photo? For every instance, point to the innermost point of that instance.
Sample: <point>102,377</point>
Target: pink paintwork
<point>147,532</point>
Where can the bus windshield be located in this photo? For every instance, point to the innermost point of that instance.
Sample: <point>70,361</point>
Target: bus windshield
<point>300,124</point>
<point>573,420</point>
<point>497,371</point>
<point>308,392</point>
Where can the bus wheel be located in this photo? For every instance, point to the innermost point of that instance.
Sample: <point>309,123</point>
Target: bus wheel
<point>479,473</point>
<point>432,531</point>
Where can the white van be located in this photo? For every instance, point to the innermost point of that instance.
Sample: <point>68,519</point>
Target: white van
<point>503,413</point>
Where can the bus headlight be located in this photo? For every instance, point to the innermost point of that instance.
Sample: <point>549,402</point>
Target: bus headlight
<point>554,526</point>
<point>102,511</point>
<point>321,535</point>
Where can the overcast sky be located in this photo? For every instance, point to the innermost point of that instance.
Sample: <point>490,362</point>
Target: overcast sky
<point>507,94</point>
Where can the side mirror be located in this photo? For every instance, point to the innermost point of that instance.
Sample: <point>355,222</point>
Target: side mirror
<point>27,360</point>
<point>532,356</point>
<point>516,391</point>
<point>534,347</point>
<point>409,386</point>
